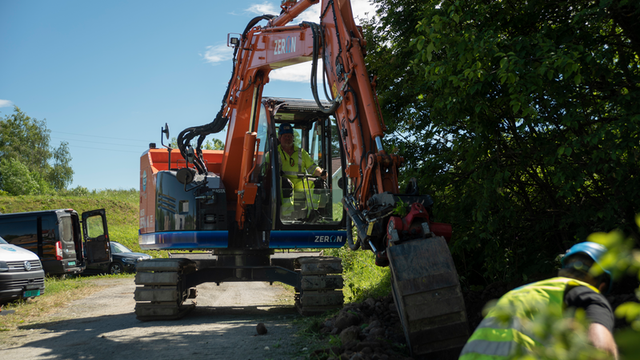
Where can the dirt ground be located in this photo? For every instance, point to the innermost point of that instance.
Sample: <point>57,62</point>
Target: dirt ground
<point>222,326</point>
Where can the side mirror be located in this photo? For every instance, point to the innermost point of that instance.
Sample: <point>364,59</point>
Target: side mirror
<point>165,130</point>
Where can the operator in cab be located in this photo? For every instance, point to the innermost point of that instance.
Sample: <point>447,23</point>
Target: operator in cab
<point>508,330</point>
<point>295,161</point>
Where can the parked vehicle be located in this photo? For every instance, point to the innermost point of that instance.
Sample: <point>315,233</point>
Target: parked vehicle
<point>56,237</point>
<point>21,273</point>
<point>123,260</point>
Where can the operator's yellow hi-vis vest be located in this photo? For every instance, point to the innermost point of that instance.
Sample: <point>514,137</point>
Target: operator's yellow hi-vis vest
<point>505,329</point>
<point>298,163</point>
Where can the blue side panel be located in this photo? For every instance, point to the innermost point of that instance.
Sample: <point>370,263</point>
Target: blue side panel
<point>184,240</point>
<point>296,239</point>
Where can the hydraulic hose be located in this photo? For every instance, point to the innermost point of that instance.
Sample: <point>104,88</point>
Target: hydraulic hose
<point>318,39</point>
<point>220,121</point>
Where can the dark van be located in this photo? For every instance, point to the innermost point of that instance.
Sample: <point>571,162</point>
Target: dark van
<point>55,236</point>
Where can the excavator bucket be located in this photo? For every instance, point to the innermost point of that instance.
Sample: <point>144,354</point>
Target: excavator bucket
<point>428,297</point>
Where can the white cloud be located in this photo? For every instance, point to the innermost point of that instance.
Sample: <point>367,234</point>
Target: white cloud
<point>218,53</point>
<point>296,73</point>
<point>362,9</point>
<point>6,103</point>
<point>264,8</point>
<point>311,14</point>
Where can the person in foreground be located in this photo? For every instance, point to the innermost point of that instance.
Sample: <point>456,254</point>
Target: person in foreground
<point>506,330</point>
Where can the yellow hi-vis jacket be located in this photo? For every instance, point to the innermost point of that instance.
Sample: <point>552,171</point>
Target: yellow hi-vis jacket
<point>496,339</point>
<point>299,162</point>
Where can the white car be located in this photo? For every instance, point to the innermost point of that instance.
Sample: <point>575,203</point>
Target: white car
<point>21,273</point>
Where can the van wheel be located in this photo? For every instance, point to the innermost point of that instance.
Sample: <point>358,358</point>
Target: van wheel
<point>115,268</point>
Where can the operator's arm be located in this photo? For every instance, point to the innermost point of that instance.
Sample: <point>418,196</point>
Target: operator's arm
<point>308,163</point>
<point>600,314</point>
<point>602,339</point>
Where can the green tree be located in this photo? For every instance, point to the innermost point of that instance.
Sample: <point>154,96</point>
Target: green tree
<point>16,179</point>
<point>215,144</point>
<point>61,173</point>
<point>25,139</point>
<point>522,118</point>
<point>26,155</point>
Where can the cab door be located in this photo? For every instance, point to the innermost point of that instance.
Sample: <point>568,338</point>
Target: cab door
<point>96,237</point>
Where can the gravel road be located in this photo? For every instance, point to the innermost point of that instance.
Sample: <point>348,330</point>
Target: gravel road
<point>222,326</point>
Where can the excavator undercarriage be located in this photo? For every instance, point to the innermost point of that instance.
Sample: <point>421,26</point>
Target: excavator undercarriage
<point>166,288</point>
<point>425,289</point>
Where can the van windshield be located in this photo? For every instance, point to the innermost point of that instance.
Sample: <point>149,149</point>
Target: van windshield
<point>2,241</point>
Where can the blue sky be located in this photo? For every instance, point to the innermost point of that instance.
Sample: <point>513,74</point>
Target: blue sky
<point>107,75</point>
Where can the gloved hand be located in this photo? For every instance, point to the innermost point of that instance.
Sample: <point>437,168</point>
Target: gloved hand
<point>320,183</point>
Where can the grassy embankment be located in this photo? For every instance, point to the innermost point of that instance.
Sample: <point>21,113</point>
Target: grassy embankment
<point>121,207</point>
<point>362,277</point>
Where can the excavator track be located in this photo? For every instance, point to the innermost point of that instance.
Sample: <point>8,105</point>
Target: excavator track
<point>161,289</point>
<point>428,297</point>
<point>321,285</point>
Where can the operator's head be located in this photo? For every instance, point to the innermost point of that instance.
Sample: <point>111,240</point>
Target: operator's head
<point>285,134</point>
<point>285,129</point>
<point>579,261</point>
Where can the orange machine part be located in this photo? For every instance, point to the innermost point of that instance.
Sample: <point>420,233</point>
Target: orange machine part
<point>154,160</point>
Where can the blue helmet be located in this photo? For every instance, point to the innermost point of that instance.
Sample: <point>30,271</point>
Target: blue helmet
<point>285,129</point>
<point>593,250</point>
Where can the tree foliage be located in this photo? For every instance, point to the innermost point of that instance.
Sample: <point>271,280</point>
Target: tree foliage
<point>522,118</point>
<point>18,180</point>
<point>209,144</point>
<point>29,165</point>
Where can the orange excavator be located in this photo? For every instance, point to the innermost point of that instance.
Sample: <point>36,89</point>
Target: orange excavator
<point>231,203</point>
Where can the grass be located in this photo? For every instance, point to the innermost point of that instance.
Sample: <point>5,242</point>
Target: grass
<point>58,293</point>
<point>362,278</point>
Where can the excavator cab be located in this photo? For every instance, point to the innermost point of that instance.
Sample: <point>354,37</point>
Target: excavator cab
<point>299,198</point>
